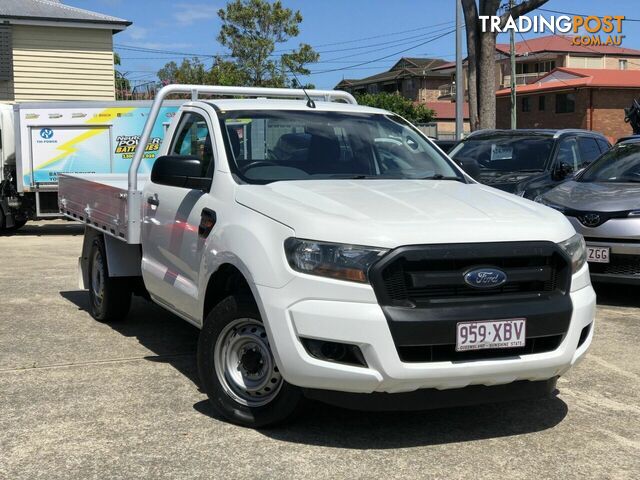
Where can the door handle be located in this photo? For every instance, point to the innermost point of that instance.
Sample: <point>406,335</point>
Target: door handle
<point>208,220</point>
<point>153,200</point>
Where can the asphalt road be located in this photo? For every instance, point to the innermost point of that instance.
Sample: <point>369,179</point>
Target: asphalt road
<point>79,399</point>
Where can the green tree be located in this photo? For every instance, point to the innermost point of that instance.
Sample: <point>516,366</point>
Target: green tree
<point>394,102</point>
<point>251,29</point>
<point>189,71</point>
<point>193,71</point>
<point>123,86</point>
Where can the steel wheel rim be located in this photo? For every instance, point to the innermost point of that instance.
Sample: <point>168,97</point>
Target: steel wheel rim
<point>244,364</point>
<point>97,278</point>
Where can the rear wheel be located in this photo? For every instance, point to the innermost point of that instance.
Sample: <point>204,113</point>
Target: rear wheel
<point>109,297</point>
<point>237,368</point>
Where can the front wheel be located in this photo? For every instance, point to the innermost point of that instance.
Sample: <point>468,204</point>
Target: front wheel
<point>109,297</point>
<point>237,369</point>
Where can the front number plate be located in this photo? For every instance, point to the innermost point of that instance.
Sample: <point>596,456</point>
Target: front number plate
<point>598,254</point>
<point>509,333</point>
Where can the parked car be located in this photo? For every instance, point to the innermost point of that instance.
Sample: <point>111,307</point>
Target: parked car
<point>327,249</point>
<point>446,145</point>
<point>527,162</point>
<point>603,204</point>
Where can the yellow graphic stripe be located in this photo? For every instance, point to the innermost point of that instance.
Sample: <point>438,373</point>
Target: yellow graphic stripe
<point>68,148</point>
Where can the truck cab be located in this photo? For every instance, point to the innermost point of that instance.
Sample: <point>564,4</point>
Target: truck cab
<point>330,250</point>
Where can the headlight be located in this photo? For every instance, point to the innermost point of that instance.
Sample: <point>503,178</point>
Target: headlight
<point>335,260</point>
<point>576,248</point>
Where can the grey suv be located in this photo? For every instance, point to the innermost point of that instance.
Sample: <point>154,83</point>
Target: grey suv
<point>603,204</point>
<point>527,162</point>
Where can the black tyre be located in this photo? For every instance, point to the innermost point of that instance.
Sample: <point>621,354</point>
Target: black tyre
<point>17,224</point>
<point>237,369</point>
<point>109,298</point>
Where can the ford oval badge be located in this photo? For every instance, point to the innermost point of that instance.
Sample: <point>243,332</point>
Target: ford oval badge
<point>485,277</point>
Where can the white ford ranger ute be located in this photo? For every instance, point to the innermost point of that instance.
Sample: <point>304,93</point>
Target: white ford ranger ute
<point>330,250</point>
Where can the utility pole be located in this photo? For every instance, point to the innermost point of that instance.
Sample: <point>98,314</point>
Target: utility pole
<point>459,75</point>
<point>512,49</point>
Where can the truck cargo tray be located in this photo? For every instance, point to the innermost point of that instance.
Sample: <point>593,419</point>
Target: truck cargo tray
<point>98,200</point>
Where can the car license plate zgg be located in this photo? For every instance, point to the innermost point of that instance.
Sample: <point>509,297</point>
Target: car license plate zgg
<point>484,334</point>
<point>598,254</point>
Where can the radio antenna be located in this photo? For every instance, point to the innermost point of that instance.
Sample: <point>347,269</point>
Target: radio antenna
<point>310,102</point>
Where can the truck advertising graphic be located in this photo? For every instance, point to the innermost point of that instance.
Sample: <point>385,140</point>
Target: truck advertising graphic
<point>98,139</point>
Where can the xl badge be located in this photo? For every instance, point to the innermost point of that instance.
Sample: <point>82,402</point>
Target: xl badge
<point>485,278</point>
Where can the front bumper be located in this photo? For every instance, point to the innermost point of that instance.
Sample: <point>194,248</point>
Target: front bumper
<point>623,266</point>
<point>336,311</point>
<point>622,237</point>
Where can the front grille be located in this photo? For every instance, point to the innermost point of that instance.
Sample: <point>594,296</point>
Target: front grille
<point>628,265</point>
<point>423,294</point>
<point>447,353</point>
<point>436,276</point>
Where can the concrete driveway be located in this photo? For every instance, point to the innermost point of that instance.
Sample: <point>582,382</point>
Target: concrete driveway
<point>79,399</point>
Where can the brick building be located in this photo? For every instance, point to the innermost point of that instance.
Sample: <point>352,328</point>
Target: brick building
<point>592,99</point>
<point>413,78</point>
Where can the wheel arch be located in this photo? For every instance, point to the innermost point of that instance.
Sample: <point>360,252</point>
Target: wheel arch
<point>228,279</point>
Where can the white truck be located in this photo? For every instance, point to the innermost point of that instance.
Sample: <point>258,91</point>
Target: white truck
<point>38,141</point>
<point>330,250</point>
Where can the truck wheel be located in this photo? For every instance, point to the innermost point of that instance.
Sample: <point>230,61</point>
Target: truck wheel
<point>18,224</point>
<point>237,369</point>
<point>109,298</point>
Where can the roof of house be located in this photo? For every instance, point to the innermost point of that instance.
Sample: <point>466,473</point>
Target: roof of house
<point>55,11</point>
<point>569,78</point>
<point>563,43</point>
<point>423,67</point>
<point>447,110</point>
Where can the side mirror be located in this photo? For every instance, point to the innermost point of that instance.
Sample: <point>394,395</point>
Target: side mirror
<point>562,171</point>
<point>184,171</point>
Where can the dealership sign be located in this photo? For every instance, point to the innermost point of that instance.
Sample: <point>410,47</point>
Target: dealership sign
<point>590,30</point>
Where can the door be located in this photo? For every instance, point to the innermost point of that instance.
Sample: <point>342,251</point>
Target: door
<point>172,245</point>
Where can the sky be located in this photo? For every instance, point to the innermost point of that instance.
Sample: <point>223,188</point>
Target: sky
<point>346,33</point>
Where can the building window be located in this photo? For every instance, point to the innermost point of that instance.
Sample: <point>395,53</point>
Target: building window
<point>622,64</point>
<point>541,104</point>
<point>526,107</point>
<point>565,102</point>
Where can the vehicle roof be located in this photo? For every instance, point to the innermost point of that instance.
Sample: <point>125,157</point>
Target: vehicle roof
<point>534,131</point>
<point>629,139</point>
<point>286,104</point>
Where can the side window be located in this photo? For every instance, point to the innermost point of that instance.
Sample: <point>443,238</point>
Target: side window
<point>193,138</point>
<point>568,153</point>
<point>589,150</point>
<point>604,146</point>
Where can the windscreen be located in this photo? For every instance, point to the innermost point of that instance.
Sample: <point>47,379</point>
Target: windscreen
<point>266,146</point>
<point>620,164</point>
<point>506,153</point>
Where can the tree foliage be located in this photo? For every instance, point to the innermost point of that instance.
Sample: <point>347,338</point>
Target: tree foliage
<point>123,86</point>
<point>394,102</point>
<point>251,29</point>
<point>481,50</point>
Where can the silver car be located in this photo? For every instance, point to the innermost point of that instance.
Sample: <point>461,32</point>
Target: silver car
<point>603,204</point>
